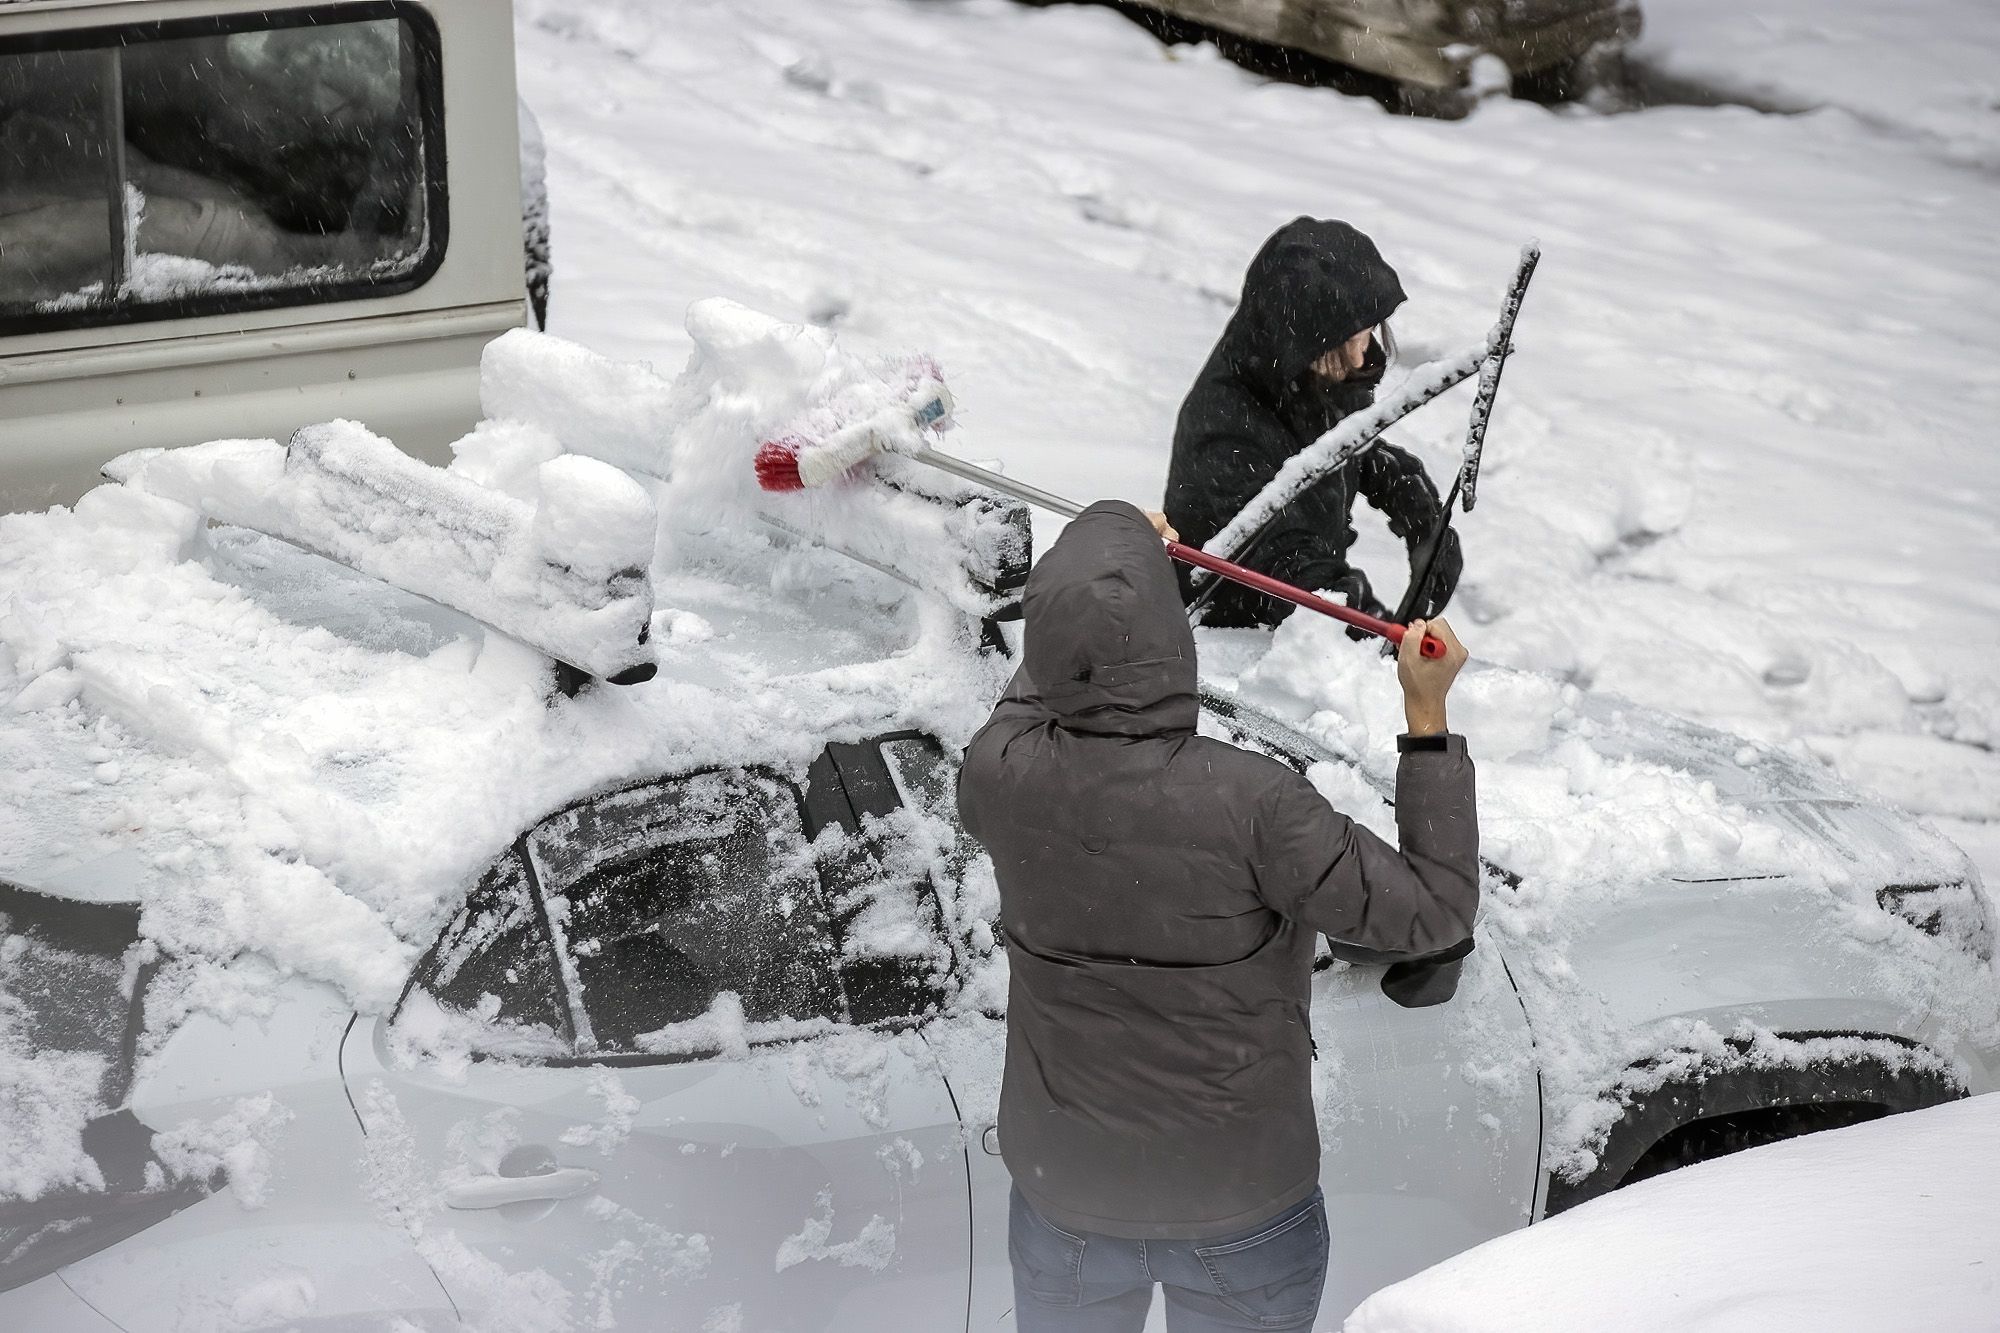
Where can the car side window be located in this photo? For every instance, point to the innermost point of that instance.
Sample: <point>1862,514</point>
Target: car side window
<point>190,167</point>
<point>495,961</point>
<point>688,915</point>
<point>681,918</point>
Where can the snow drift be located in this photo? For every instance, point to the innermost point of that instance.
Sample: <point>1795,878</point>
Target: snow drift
<point>1872,1227</point>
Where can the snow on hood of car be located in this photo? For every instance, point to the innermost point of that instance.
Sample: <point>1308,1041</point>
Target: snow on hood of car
<point>1615,820</point>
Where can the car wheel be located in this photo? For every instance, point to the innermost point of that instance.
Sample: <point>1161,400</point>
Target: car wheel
<point>535,215</point>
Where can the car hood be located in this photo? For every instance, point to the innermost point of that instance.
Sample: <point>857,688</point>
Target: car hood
<point>1871,840</point>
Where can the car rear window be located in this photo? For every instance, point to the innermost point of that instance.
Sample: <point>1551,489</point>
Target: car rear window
<point>181,168</point>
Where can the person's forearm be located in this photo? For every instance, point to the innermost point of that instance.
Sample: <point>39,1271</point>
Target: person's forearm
<point>1425,717</point>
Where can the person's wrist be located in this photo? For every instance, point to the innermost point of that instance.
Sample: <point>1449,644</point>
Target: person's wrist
<point>1424,718</point>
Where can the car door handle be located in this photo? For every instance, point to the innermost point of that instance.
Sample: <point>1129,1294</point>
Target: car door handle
<point>565,1182</point>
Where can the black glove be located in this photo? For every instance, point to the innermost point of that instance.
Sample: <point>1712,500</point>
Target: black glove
<point>1435,594</point>
<point>1360,597</point>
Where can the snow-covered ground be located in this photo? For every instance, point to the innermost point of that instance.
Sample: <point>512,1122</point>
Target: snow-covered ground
<point>1918,70</point>
<point>1739,470</point>
<point>1741,467</point>
<point>1884,1225</point>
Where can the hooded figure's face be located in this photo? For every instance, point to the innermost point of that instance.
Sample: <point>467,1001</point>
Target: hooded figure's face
<point>1314,285</point>
<point>1346,361</point>
<point>1109,649</point>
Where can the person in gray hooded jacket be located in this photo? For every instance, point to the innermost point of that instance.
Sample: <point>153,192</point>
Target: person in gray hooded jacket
<point>1160,894</point>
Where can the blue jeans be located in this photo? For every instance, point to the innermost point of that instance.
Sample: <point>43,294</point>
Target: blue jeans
<point>1268,1277</point>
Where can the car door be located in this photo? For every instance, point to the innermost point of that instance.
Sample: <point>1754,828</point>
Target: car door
<point>628,1086</point>
<point>1429,1117</point>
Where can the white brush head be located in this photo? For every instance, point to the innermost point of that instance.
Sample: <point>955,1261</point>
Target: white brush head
<point>901,427</point>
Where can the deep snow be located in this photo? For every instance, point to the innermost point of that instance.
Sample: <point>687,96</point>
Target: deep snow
<point>1737,469</point>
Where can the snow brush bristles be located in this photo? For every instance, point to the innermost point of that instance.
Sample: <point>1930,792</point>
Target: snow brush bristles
<point>804,458</point>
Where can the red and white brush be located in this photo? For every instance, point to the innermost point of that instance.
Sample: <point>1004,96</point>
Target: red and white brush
<point>800,460</point>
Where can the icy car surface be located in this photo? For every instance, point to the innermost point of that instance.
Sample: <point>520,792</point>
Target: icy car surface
<point>413,978</point>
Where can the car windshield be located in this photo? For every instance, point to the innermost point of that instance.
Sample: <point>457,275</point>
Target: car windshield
<point>209,170</point>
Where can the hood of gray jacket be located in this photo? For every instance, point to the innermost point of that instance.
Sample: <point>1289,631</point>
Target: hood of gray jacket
<point>1109,650</point>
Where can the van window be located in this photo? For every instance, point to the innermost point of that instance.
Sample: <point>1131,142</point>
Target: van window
<point>197,167</point>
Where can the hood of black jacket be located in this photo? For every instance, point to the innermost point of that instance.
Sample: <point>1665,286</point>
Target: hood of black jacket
<point>1109,649</point>
<point>1315,284</point>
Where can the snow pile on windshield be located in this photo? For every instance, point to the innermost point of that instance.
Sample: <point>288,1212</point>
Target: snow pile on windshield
<point>751,380</point>
<point>1852,1229</point>
<point>46,1098</point>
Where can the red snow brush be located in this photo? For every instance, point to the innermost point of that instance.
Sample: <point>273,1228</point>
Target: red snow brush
<point>795,463</point>
<point>777,464</point>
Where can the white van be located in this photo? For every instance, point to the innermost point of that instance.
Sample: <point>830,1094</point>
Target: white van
<point>221,218</point>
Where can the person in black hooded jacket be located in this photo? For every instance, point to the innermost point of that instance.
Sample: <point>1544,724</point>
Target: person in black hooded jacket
<point>1303,350</point>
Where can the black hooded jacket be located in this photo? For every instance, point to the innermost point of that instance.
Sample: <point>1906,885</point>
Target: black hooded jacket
<point>1314,285</point>
<point>1160,892</point>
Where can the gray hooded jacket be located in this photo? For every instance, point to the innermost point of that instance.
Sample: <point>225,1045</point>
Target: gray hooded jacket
<point>1160,892</point>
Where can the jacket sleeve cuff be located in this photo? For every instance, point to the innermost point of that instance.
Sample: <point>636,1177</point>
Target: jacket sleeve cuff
<point>1122,508</point>
<point>1445,742</point>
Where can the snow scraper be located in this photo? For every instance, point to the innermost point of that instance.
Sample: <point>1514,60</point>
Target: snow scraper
<point>1500,344</point>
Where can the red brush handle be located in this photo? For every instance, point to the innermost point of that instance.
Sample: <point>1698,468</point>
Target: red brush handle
<point>1432,646</point>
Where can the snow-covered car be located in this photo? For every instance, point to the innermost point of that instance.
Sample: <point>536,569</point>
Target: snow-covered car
<point>1429,47</point>
<point>225,217</point>
<point>369,975</point>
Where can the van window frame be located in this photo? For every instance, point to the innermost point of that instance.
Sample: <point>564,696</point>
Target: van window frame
<point>423,32</point>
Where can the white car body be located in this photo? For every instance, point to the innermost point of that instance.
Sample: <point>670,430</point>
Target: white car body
<point>402,357</point>
<point>833,1177</point>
